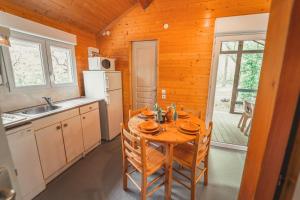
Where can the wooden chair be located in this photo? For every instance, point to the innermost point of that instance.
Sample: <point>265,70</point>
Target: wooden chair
<point>191,111</point>
<point>246,115</point>
<point>132,113</point>
<point>190,156</point>
<point>142,159</point>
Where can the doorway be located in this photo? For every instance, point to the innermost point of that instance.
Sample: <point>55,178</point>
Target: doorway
<point>144,73</point>
<point>234,83</point>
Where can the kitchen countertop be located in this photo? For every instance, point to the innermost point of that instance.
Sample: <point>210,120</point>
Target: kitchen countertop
<point>65,105</point>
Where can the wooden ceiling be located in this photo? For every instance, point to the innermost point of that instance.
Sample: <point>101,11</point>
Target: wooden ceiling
<point>89,15</point>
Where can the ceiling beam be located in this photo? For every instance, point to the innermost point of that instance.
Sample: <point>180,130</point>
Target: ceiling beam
<point>145,3</point>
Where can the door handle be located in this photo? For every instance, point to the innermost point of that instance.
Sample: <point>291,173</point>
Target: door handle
<point>58,128</point>
<point>107,83</point>
<point>7,194</point>
<point>6,190</point>
<point>107,99</point>
<point>65,125</point>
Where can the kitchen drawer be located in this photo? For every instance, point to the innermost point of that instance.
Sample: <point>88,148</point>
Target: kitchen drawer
<point>56,118</point>
<point>89,107</point>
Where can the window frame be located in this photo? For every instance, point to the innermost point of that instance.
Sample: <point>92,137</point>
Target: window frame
<point>8,61</point>
<point>46,62</point>
<point>50,43</point>
<point>3,81</point>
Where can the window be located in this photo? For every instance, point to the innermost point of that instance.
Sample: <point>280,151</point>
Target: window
<point>1,68</point>
<point>27,63</point>
<point>37,62</point>
<point>230,46</point>
<point>62,65</point>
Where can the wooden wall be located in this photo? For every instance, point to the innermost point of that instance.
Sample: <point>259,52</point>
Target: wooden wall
<point>185,49</point>
<point>276,102</point>
<point>84,39</point>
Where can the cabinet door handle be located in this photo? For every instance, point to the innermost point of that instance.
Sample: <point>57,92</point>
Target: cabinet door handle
<point>83,117</point>
<point>65,125</point>
<point>58,128</point>
<point>91,107</point>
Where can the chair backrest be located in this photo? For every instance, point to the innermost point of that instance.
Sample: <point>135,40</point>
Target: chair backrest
<point>190,111</point>
<point>133,149</point>
<point>132,113</point>
<point>202,145</point>
<point>248,108</point>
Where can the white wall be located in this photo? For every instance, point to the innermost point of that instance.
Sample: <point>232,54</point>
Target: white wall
<point>257,23</point>
<point>33,28</point>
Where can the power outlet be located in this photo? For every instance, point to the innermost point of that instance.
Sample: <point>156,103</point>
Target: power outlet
<point>163,96</point>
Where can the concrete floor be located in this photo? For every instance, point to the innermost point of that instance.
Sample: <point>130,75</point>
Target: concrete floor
<point>98,177</point>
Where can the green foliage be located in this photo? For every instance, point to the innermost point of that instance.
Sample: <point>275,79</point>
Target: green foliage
<point>249,74</point>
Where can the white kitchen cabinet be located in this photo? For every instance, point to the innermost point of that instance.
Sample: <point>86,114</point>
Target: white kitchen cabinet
<point>72,133</point>
<point>51,149</point>
<point>25,156</point>
<point>91,129</point>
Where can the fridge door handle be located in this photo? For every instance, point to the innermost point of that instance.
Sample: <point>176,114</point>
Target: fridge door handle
<point>107,82</point>
<point>107,99</point>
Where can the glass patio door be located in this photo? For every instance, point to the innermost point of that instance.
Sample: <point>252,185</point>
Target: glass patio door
<point>247,75</point>
<point>238,70</point>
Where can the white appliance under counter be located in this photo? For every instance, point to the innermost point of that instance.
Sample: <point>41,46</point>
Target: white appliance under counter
<point>25,156</point>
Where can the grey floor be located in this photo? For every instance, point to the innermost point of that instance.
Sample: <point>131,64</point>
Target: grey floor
<point>98,177</point>
<point>225,129</point>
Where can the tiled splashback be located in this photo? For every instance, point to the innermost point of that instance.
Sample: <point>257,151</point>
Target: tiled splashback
<point>10,101</point>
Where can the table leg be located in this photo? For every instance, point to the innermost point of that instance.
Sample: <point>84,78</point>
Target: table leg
<point>169,170</point>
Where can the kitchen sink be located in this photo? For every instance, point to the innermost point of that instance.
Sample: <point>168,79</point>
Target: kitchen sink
<point>39,110</point>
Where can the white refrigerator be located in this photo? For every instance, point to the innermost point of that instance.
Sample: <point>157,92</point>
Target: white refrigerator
<point>106,85</point>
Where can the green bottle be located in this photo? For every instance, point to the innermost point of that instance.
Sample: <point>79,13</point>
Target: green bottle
<point>175,115</point>
<point>159,115</point>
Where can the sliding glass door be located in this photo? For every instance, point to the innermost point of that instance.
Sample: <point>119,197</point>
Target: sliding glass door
<point>237,65</point>
<point>246,58</point>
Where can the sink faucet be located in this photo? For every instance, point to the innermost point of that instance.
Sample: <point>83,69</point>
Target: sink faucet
<point>49,101</point>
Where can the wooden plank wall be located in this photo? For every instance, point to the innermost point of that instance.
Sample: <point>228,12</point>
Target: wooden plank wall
<point>185,49</point>
<point>84,39</point>
<point>276,103</point>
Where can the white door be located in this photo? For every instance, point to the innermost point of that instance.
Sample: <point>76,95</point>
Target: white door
<point>51,149</point>
<point>115,112</point>
<point>113,80</point>
<point>90,129</point>
<point>72,132</point>
<point>144,64</point>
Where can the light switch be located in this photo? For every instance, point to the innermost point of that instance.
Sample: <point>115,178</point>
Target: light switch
<point>163,94</point>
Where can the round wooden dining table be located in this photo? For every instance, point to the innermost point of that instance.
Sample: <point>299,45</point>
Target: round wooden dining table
<point>169,136</point>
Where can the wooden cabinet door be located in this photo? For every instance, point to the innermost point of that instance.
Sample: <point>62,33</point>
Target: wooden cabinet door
<point>51,149</point>
<point>72,132</point>
<point>91,128</point>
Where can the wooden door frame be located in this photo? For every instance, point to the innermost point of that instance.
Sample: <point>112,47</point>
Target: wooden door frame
<point>215,61</point>
<point>130,67</point>
<point>276,103</point>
